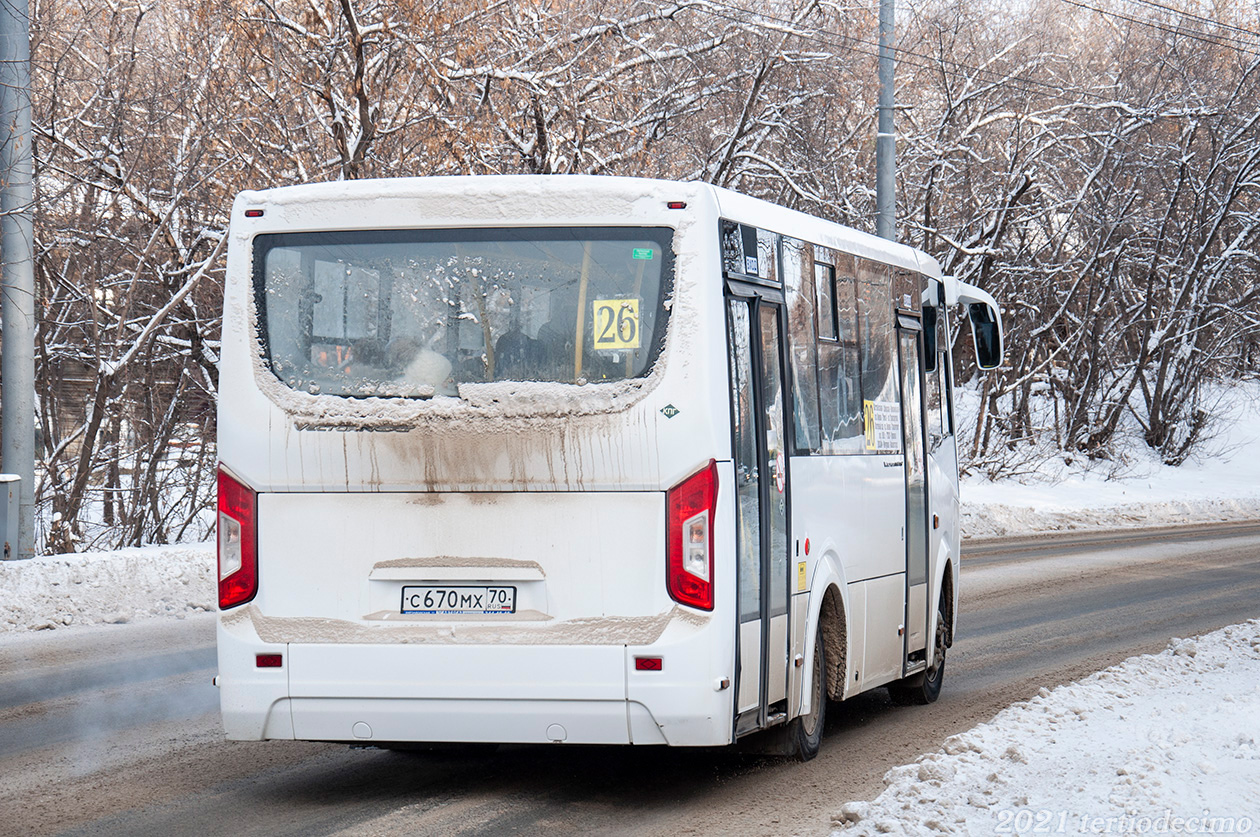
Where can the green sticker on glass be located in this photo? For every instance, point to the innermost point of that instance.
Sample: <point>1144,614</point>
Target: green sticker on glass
<point>642,253</point>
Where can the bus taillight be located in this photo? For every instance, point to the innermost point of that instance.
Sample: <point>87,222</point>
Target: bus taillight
<point>238,551</point>
<point>690,508</point>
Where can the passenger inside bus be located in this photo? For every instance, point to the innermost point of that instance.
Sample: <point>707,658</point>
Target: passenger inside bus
<point>517,355</point>
<point>421,366</point>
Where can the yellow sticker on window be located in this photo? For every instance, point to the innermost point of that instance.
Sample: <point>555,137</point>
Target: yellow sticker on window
<point>881,424</point>
<point>616,323</point>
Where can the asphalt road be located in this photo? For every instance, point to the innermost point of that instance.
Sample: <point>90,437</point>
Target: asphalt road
<point>114,730</point>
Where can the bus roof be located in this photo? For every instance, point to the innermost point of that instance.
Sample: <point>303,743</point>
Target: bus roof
<point>549,199</point>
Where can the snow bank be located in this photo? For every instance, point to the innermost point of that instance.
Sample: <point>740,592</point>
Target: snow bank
<point>1136,489</point>
<point>106,587</point>
<point>1164,743</point>
<point>988,520</point>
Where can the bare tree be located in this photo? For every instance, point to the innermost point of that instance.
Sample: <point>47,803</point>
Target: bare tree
<point>1103,185</point>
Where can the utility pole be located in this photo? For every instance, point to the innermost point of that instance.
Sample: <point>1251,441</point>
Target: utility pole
<point>886,140</point>
<point>17,285</point>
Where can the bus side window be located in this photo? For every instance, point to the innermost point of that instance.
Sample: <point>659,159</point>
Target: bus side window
<point>838,371</point>
<point>946,376</point>
<point>931,338</point>
<point>876,333</point>
<point>935,418</point>
<point>908,289</point>
<point>830,365</point>
<point>850,332</point>
<point>767,250</point>
<point>935,333</point>
<point>825,282</point>
<point>798,285</point>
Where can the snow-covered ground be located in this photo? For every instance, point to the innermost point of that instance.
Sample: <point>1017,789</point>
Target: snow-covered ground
<point>1221,482</point>
<point>1164,743</point>
<point>96,588</point>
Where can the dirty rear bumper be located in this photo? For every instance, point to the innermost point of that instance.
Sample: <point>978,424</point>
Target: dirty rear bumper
<point>454,692</point>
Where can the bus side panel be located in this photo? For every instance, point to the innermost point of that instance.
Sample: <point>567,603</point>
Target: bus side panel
<point>885,602</point>
<point>813,530</point>
<point>796,673</point>
<point>857,639</point>
<point>943,487</point>
<point>854,506</point>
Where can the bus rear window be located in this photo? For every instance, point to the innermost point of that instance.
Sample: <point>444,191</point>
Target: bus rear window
<point>419,312</point>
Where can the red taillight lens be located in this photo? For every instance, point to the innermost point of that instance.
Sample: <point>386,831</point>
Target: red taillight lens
<point>238,547</point>
<point>269,660</point>
<point>690,509</point>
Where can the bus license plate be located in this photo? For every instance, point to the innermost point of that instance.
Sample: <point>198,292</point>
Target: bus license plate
<point>457,599</point>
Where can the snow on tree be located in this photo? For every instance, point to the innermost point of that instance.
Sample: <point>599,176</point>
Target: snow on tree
<point>1097,173</point>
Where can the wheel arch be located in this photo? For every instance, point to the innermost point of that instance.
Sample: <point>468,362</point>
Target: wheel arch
<point>828,609</point>
<point>945,587</point>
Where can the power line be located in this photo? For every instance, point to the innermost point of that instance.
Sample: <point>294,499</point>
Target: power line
<point>1244,48</point>
<point>1251,33</point>
<point>924,61</point>
<point>940,63</point>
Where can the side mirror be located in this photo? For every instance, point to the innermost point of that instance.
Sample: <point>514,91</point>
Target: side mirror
<point>986,321</point>
<point>986,332</point>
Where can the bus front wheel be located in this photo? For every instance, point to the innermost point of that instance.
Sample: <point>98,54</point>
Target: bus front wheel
<point>925,687</point>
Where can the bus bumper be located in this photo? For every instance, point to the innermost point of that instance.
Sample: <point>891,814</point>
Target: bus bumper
<point>535,694</point>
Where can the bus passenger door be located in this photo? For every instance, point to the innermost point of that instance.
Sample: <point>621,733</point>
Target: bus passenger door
<point>909,342</point>
<point>758,404</point>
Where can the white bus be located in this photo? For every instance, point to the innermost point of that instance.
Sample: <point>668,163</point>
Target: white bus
<point>578,459</point>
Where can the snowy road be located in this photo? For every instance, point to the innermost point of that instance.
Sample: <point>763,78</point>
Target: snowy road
<point>114,729</point>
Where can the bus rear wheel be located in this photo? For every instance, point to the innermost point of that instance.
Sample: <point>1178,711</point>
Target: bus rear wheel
<point>806,730</point>
<point>925,687</point>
